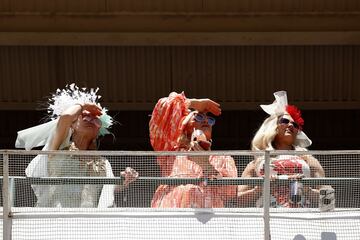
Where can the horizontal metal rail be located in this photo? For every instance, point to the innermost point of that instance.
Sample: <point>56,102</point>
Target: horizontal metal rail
<point>133,153</point>
<point>174,153</point>
<point>176,181</point>
<point>305,214</point>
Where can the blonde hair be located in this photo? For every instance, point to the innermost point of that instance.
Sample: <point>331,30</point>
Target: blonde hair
<point>265,135</point>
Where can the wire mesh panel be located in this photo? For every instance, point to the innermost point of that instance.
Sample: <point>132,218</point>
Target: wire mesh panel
<point>1,178</point>
<point>300,225</point>
<point>313,193</point>
<point>144,224</point>
<point>346,169</point>
<point>89,195</point>
<point>34,177</point>
<point>41,180</point>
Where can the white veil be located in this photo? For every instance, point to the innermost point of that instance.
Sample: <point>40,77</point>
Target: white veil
<point>41,135</point>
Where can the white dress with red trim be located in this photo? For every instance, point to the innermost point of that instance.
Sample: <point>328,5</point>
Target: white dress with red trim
<point>280,193</point>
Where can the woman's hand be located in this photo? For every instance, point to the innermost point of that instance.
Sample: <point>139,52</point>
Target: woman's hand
<point>130,175</point>
<point>203,161</point>
<point>205,105</point>
<point>256,192</point>
<point>92,109</point>
<point>201,145</point>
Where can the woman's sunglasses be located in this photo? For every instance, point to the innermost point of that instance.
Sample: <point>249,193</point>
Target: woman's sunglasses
<point>286,121</point>
<point>200,117</point>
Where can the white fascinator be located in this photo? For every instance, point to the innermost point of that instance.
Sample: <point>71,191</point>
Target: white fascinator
<point>280,107</point>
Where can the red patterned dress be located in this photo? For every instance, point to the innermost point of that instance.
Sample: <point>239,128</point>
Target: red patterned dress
<point>168,121</point>
<point>284,165</point>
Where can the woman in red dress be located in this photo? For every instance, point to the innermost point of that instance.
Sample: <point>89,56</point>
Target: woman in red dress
<point>173,123</point>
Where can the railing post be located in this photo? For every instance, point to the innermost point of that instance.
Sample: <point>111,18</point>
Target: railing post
<point>266,197</point>
<point>7,222</point>
<point>12,191</point>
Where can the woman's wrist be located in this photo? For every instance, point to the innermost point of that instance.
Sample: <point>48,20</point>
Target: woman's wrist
<point>251,194</point>
<point>189,102</point>
<point>257,191</point>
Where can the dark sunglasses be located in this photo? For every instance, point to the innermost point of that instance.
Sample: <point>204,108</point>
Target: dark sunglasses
<point>287,121</point>
<point>200,117</point>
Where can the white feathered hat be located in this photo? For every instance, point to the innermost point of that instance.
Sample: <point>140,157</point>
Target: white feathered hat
<point>59,101</point>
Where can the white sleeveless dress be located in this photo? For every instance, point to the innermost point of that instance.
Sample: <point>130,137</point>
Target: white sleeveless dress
<point>283,165</point>
<point>86,195</point>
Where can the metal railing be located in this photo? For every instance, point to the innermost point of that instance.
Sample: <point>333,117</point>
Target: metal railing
<point>9,182</point>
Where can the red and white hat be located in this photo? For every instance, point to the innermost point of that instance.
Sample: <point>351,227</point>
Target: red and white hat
<point>280,107</point>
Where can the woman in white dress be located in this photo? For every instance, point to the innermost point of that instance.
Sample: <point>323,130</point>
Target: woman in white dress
<point>77,121</point>
<point>282,130</point>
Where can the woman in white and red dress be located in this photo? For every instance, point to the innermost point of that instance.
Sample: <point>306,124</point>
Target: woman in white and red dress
<point>282,130</point>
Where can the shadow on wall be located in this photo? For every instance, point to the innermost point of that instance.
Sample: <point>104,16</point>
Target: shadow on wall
<point>324,236</point>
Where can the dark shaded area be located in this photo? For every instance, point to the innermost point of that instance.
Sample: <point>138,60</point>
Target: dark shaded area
<point>328,129</point>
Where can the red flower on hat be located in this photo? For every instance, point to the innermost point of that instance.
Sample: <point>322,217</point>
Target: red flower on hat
<point>295,113</point>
